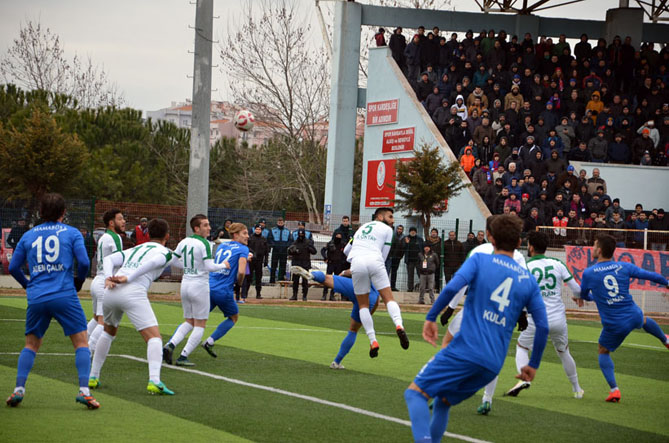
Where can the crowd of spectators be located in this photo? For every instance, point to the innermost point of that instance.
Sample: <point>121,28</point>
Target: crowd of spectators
<point>489,94</point>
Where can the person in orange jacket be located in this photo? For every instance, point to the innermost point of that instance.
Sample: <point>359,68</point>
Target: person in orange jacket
<point>467,160</point>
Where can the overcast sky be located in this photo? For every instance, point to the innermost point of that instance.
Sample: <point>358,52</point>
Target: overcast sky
<point>144,44</point>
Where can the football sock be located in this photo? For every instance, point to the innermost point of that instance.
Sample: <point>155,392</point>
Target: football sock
<point>490,390</point>
<point>91,326</point>
<point>569,366</point>
<point>194,340</point>
<point>25,364</point>
<point>346,346</point>
<point>394,312</point>
<point>154,354</point>
<point>368,324</point>
<point>653,328</point>
<point>94,337</point>
<point>82,359</point>
<point>522,358</point>
<point>318,276</point>
<point>606,365</point>
<point>180,333</point>
<point>419,413</point>
<point>222,329</point>
<point>85,390</point>
<point>440,412</point>
<point>101,351</point>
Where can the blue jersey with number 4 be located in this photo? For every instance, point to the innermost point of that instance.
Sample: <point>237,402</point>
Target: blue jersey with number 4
<point>224,280</point>
<point>608,284</point>
<point>50,249</point>
<point>499,289</point>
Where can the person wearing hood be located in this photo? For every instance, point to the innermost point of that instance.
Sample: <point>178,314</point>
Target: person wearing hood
<point>424,87</point>
<point>552,143</point>
<point>514,159</point>
<point>595,105</point>
<point>441,116</point>
<point>467,160</point>
<point>503,149</point>
<point>259,247</point>
<point>492,193</point>
<point>433,101</point>
<point>555,165</point>
<point>566,133</point>
<point>412,55</point>
<point>550,116</point>
<point>460,107</point>
<point>619,152</point>
<point>513,96</point>
<point>397,45</point>
<point>599,147</point>
<point>482,180</point>
<point>300,252</point>
<point>445,85</point>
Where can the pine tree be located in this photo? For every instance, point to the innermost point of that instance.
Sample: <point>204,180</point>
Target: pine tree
<point>425,183</point>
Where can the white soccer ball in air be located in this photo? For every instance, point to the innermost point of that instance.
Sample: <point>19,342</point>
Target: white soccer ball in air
<point>244,120</point>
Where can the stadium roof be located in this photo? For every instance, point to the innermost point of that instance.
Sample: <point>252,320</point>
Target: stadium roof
<point>654,10</point>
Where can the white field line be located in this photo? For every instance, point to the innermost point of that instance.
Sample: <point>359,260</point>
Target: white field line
<point>276,391</point>
<point>333,331</point>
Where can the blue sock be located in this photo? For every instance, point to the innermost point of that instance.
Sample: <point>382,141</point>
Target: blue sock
<point>223,329</point>
<point>439,421</point>
<point>318,276</point>
<point>419,414</point>
<point>26,360</point>
<point>82,359</point>
<point>346,346</point>
<point>606,365</point>
<point>653,328</point>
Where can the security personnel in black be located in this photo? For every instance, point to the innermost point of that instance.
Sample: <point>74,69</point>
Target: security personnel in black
<point>336,260</point>
<point>279,240</point>
<point>300,252</point>
<point>260,249</point>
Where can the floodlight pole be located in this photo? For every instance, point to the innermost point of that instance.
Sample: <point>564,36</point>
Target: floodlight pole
<point>198,166</point>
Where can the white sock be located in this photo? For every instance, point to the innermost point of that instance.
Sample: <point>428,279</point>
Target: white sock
<point>84,390</point>
<point>210,341</point>
<point>522,358</point>
<point>490,390</point>
<point>394,312</point>
<point>20,389</point>
<point>614,389</point>
<point>368,324</point>
<point>182,331</point>
<point>569,366</point>
<point>193,341</point>
<point>154,354</point>
<point>101,351</point>
<point>94,337</point>
<point>91,326</point>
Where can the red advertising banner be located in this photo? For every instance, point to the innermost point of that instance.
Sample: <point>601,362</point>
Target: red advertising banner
<point>580,257</point>
<point>380,183</point>
<point>382,113</point>
<point>398,140</point>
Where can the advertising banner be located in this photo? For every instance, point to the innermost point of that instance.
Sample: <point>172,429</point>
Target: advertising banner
<point>398,140</point>
<point>382,113</point>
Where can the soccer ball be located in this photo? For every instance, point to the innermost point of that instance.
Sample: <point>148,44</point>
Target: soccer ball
<point>244,120</point>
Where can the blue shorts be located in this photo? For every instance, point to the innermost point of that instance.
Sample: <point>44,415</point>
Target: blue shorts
<point>225,302</point>
<point>447,376</point>
<point>612,337</point>
<point>344,286</point>
<point>66,310</point>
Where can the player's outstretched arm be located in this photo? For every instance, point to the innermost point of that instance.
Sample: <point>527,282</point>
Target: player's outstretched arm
<point>461,279</point>
<point>537,309</point>
<point>18,259</point>
<point>642,274</point>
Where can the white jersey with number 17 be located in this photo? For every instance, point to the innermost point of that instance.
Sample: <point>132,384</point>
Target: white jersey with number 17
<point>372,239</point>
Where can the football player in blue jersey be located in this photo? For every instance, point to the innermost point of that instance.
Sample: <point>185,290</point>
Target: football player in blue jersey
<point>344,286</point>
<point>222,283</point>
<point>50,250</point>
<point>607,283</point>
<point>498,290</point>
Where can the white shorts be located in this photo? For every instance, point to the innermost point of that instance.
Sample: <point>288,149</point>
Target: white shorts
<point>131,300</point>
<point>195,299</point>
<point>366,271</point>
<point>456,323</point>
<point>98,293</point>
<point>557,331</point>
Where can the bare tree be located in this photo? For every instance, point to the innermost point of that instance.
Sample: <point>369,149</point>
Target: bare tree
<point>278,74</point>
<point>36,60</point>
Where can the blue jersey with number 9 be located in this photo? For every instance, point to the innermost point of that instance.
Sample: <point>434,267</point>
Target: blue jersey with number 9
<point>50,249</point>
<point>223,281</point>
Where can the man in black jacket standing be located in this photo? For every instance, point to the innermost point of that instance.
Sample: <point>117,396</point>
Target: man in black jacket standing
<point>336,260</point>
<point>260,249</point>
<point>300,252</point>
<point>414,245</point>
<point>395,255</point>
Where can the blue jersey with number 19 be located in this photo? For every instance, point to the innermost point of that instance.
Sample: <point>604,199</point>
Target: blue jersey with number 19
<point>50,249</point>
<point>608,284</point>
<point>223,281</point>
<point>499,289</point>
